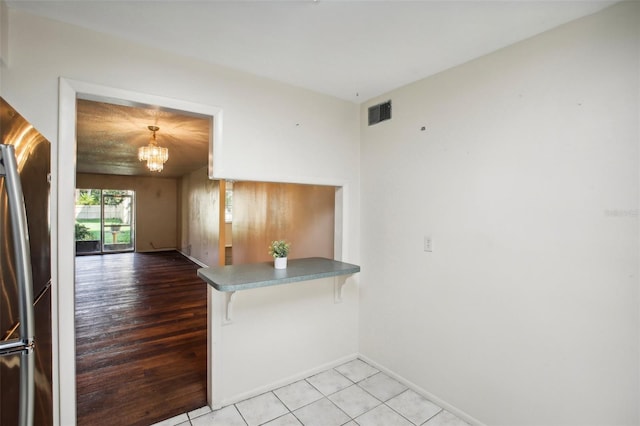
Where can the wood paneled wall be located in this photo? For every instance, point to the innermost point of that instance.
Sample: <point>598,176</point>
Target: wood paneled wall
<point>201,226</point>
<point>304,215</point>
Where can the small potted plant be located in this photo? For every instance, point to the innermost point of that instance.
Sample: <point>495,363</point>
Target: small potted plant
<point>279,250</point>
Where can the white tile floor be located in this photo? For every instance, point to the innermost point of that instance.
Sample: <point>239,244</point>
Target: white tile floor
<point>352,394</point>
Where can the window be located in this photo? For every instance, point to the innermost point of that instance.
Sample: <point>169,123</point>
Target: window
<point>228,202</point>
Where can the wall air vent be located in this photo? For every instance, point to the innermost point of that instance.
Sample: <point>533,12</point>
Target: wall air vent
<point>380,112</point>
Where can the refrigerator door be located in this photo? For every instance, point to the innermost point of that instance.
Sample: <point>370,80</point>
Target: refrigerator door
<point>32,152</point>
<point>43,411</point>
<point>35,186</point>
<point>10,385</point>
<point>16,377</point>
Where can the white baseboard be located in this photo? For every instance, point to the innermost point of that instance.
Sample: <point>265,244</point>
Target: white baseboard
<point>431,397</point>
<point>155,250</point>
<point>284,382</point>
<point>193,259</point>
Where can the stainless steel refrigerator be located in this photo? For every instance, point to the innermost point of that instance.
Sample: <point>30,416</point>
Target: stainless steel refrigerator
<point>25,273</point>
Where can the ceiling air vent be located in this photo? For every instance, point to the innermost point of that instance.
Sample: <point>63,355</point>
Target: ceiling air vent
<point>380,112</point>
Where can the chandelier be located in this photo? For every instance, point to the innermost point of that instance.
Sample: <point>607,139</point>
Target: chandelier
<point>154,155</point>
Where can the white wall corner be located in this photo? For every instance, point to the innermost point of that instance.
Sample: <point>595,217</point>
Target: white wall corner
<point>421,391</point>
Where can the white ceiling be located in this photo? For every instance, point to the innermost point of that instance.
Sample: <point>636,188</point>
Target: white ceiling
<point>353,50</point>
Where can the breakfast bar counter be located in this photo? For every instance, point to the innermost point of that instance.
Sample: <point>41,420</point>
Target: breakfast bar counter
<point>255,275</point>
<point>232,278</point>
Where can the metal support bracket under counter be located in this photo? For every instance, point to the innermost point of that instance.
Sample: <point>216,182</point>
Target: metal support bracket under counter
<point>233,278</point>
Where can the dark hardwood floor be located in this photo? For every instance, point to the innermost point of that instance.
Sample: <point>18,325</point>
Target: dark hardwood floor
<point>141,344</point>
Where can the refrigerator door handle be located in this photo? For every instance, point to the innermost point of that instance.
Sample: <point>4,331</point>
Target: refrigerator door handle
<point>20,237</point>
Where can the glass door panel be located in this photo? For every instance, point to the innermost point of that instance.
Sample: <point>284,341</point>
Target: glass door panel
<point>88,221</point>
<point>117,225</point>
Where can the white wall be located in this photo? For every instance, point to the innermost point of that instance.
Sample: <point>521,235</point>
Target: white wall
<point>272,132</point>
<point>526,177</point>
<point>4,36</point>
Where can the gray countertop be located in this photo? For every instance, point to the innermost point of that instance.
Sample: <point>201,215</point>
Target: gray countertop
<point>255,275</point>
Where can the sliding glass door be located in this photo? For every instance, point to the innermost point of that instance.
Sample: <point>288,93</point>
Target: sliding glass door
<point>104,221</point>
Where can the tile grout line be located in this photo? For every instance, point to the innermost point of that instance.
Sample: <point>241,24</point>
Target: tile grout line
<point>241,416</point>
<point>284,405</point>
<point>429,419</point>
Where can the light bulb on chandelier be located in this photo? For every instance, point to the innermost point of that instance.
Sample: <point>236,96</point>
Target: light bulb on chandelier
<point>154,155</point>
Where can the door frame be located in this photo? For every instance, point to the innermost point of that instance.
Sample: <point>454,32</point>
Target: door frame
<point>62,230</point>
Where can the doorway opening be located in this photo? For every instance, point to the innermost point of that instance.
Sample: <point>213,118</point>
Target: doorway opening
<point>132,208</point>
<point>104,221</point>
<point>67,179</point>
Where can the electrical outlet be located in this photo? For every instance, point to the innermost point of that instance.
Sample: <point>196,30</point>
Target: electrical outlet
<point>428,243</point>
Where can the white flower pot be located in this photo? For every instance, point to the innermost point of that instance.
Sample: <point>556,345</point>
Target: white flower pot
<point>280,262</point>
